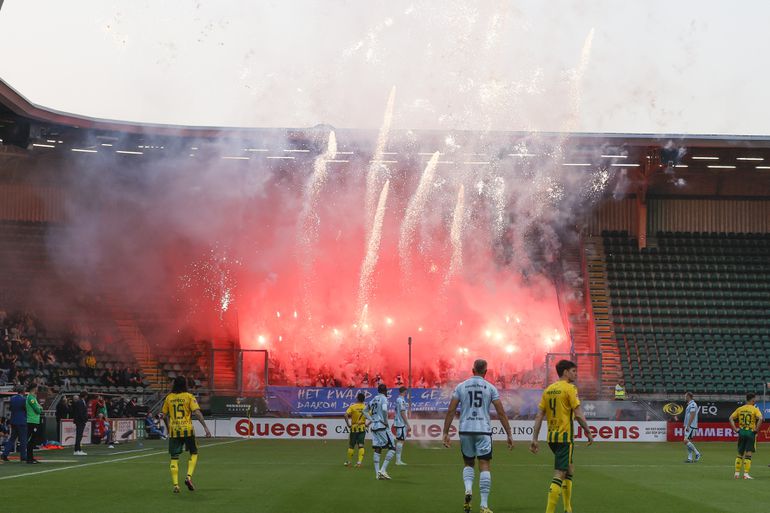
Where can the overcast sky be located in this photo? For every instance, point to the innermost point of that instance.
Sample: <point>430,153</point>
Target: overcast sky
<point>652,66</point>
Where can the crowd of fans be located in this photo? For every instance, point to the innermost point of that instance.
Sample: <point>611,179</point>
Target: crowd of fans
<point>56,365</point>
<point>444,376</point>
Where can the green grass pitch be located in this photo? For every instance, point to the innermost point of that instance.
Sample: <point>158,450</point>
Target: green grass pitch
<point>308,477</point>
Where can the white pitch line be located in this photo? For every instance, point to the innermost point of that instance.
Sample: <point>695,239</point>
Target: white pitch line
<point>108,461</point>
<point>127,452</point>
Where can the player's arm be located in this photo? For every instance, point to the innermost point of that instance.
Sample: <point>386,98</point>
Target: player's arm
<point>199,416</point>
<point>732,421</point>
<point>688,419</point>
<point>581,419</point>
<point>164,415</point>
<point>498,404</point>
<point>348,418</point>
<point>533,445</point>
<point>450,414</point>
<point>759,423</point>
<point>405,418</point>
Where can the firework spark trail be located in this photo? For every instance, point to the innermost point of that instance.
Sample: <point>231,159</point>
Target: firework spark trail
<point>308,220</point>
<point>373,174</point>
<point>576,89</point>
<point>372,250</point>
<point>413,212</point>
<point>575,96</point>
<point>455,236</point>
<point>498,206</point>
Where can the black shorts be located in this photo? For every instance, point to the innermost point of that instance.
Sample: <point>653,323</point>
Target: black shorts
<point>356,438</point>
<point>746,442</point>
<point>177,445</point>
<point>562,453</point>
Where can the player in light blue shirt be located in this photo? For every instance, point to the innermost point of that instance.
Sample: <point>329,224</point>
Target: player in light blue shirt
<point>690,426</point>
<point>382,438</point>
<point>475,396</point>
<point>401,423</point>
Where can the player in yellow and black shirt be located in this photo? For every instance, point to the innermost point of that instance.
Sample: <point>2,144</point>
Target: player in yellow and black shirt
<point>178,409</point>
<point>560,406</point>
<point>357,423</point>
<point>749,419</point>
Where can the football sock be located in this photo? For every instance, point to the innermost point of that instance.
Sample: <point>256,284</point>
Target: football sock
<point>388,457</point>
<point>485,485</point>
<point>691,449</point>
<point>175,472</point>
<point>566,493</point>
<point>191,464</point>
<point>468,476</point>
<point>746,464</point>
<point>350,454</point>
<point>376,459</point>
<point>360,454</point>
<point>738,462</point>
<point>399,449</point>
<point>553,495</point>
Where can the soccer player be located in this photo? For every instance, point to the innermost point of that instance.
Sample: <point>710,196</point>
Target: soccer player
<point>178,409</point>
<point>357,423</point>
<point>690,425</point>
<point>749,419</point>
<point>474,396</point>
<point>382,438</point>
<point>559,405</point>
<point>401,423</point>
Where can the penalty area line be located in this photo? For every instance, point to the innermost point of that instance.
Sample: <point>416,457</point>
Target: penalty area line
<point>27,474</point>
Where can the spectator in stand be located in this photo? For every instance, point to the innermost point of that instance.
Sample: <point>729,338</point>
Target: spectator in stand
<point>103,432</point>
<point>33,422</point>
<point>79,417</point>
<point>90,364</point>
<point>106,378</point>
<point>62,412</point>
<point>131,408</point>
<point>133,378</point>
<point>122,377</point>
<point>18,426</point>
<point>151,428</point>
<point>98,406</point>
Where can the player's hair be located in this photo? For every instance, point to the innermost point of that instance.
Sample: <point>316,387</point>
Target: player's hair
<point>180,385</point>
<point>750,396</point>
<point>401,389</point>
<point>480,367</point>
<point>564,365</point>
<point>360,397</point>
<point>32,386</point>
<point>382,388</point>
<point>688,395</point>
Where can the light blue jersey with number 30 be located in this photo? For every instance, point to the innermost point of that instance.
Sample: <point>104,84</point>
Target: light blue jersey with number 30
<point>475,395</point>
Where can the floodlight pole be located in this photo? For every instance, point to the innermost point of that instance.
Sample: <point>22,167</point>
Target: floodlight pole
<point>409,385</point>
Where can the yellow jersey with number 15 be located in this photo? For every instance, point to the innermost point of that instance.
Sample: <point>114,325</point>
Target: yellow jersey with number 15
<point>178,409</point>
<point>559,402</point>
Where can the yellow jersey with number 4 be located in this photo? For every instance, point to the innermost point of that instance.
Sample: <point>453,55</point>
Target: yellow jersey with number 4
<point>559,402</point>
<point>178,409</point>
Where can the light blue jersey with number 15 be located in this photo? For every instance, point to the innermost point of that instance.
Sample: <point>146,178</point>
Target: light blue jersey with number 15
<point>475,395</point>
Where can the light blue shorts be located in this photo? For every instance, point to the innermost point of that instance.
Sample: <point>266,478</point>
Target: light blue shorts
<point>476,446</point>
<point>383,438</point>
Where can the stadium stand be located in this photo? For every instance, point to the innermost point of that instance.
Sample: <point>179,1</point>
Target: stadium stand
<point>692,313</point>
